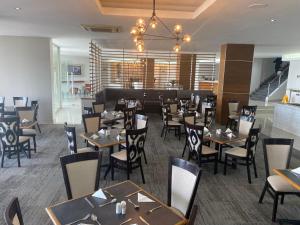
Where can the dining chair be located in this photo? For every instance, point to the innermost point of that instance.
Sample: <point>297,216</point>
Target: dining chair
<point>173,107</point>
<point>183,181</point>
<point>193,215</point>
<point>169,124</point>
<point>72,143</point>
<point>2,99</point>
<point>130,158</point>
<point>91,122</point>
<point>191,119</point>
<point>209,118</point>
<point>277,155</point>
<point>248,112</point>
<point>2,109</point>
<point>197,150</point>
<point>12,214</point>
<point>98,107</point>
<point>233,114</point>
<point>12,141</point>
<point>20,101</point>
<point>27,114</point>
<point>35,107</point>
<point>245,154</point>
<point>244,127</point>
<point>141,121</point>
<point>81,173</point>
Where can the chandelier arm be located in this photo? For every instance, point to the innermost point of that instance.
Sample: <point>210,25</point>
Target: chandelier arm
<point>160,36</point>
<point>166,27</point>
<point>156,39</point>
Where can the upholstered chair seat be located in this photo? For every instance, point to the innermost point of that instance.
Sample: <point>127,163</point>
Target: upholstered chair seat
<point>23,139</point>
<point>237,151</point>
<point>280,184</point>
<point>86,149</point>
<point>174,123</point>
<point>121,155</point>
<point>29,132</point>
<point>234,116</point>
<point>207,150</point>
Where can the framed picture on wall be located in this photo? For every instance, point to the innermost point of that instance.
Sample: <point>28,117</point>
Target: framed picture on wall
<point>74,69</point>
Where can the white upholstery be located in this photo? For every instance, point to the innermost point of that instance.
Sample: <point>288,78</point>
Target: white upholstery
<point>200,123</point>
<point>189,119</point>
<point>279,184</point>
<point>20,103</point>
<point>207,150</point>
<point>26,114</point>
<point>173,108</point>
<point>140,124</point>
<point>238,143</point>
<point>86,149</point>
<point>99,108</point>
<point>244,127</point>
<point>29,132</point>
<point>277,157</point>
<point>92,124</point>
<point>173,123</point>
<point>15,220</point>
<point>237,151</point>
<point>23,139</point>
<point>122,155</point>
<point>233,108</point>
<point>82,177</point>
<point>182,186</point>
<point>233,117</point>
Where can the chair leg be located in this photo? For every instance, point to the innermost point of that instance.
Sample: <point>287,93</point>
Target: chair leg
<point>112,168</point>
<point>216,164</point>
<point>179,131</point>
<point>128,171</point>
<point>263,192</point>
<point>145,157</point>
<point>34,144</point>
<point>141,167</point>
<point>162,131</point>
<point>282,199</point>
<point>184,149</point>
<point>166,130</point>
<point>248,171</point>
<point>18,156</point>
<point>225,164</point>
<point>254,167</point>
<point>275,207</point>
<point>2,158</point>
<point>39,128</point>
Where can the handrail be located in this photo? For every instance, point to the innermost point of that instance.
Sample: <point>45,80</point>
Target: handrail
<point>275,78</point>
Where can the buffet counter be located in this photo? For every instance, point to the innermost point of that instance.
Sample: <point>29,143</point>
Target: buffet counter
<point>287,118</point>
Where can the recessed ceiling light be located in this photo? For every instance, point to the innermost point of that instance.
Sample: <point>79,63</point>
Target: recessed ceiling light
<point>273,20</point>
<point>258,5</point>
<point>18,8</point>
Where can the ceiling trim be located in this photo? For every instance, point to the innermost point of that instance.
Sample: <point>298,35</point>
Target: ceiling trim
<point>162,13</point>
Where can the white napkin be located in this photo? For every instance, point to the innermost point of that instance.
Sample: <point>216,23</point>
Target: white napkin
<point>119,137</point>
<point>228,130</point>
<point>105,112</point>
<point>205,130</point>
<point>99,194</point>
<point>94,136</point>
<point>25,121</point>
<point>229,135</point>
<point>102,131</point>
<point>143,198</point>
<point>218,131</point>
<point>297,170</point>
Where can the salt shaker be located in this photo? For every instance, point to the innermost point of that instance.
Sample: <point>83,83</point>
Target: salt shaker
<point>123,206</point>
<point>118,208</point>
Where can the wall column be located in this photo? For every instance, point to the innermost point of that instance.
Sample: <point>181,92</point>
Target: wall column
<point>234,77</point>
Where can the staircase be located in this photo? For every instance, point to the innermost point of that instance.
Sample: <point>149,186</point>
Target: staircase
<point>268,86</point>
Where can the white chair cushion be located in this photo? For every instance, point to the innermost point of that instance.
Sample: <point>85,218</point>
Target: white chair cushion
<point>173,123</point>
<point>279,184</point>
<point>23,139</point>
<point>233,117</point>
<point>119,126</point>
<point>238,143</point>
<point>86,149</point>
<point>237,151</point>
<point>207,150</point>
<point>29,132</point>
<point>122,155</point>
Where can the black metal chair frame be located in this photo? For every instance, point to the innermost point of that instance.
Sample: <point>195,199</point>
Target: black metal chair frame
<point>13,209</point>
<point>166,126</point>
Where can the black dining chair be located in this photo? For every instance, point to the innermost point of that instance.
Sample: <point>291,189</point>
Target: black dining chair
<point>12,214</point>
<point>183,181</point>
<point>277,155</point>
<point>98,107</point>
<point>193,215</point>
<point>20,101</point>
<point>35,106</point>
<point>2,109</point>
<point>81,173</point>
<point>191,119</point>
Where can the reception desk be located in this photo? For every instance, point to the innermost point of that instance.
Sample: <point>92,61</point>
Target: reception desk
<point>287,118</point>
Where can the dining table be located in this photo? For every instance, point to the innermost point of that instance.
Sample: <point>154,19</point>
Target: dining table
<point>106,139</point>
<point>94,211</point>
<point>293,179</point>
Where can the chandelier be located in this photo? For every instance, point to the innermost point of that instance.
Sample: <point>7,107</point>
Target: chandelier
<point>140,32</point>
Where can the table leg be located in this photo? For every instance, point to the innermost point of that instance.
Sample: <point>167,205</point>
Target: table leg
<point>111,151</point>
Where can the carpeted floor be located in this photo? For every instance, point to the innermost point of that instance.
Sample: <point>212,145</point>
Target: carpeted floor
<point>222,200</point>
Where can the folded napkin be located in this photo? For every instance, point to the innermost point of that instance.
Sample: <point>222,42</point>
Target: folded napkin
<point>143,198</point>
<point>25,121</point>
<point>102,131</point>
<point>119,137</point>
<point>218,131</point>
<point>297,170</point>
<point>94,136</point>
<point>205,130</point>
<point>228,130</point>
<point>105,112</point>
<point>99,194</point>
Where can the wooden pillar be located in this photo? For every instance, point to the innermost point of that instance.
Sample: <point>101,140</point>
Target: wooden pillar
<point>234,78</point>
<point>149,80</point>
<point>187,67</point>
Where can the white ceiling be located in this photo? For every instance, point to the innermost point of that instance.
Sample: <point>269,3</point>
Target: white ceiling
<point>226,21</point>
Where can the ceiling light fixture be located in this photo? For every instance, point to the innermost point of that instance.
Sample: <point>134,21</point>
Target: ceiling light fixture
<point>18,8</point>
<point>140,35</point>
<point>273,20</point>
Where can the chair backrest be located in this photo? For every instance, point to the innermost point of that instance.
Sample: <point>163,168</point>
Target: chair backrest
<point>189,118</point>
<point>9,131</point>
<point>209,117</point>
<point>26,113</point>
<point>245,126</point>
<point>233,107</point>
<point>252,140</point>
<point>277,153</point>
<point>98,107</point>
<point>12,214</point>
<point>20,101</point>
<point>173,108</point>
<point>194,138</point>
<point>165,115</point>
<point>2,99</point>
<point>91,122</point>
<point>81,173</point>
<point>193,215</point>
<point>71,136</point>
<point>135,141</point>
<point>183,181</point>
<point>141,121</point>
<point>129,118</point>
<point>34,103</point>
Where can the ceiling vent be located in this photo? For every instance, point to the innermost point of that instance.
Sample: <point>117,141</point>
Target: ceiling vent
<point>101,28</point>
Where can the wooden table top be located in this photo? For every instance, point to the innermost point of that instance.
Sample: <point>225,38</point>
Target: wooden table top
<point>105,141</point>
<point>223,138</point>
<point>290,177</point>
<point>72,210</point>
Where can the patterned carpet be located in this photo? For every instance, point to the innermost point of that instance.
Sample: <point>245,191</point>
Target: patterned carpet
<point>226,200</point>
